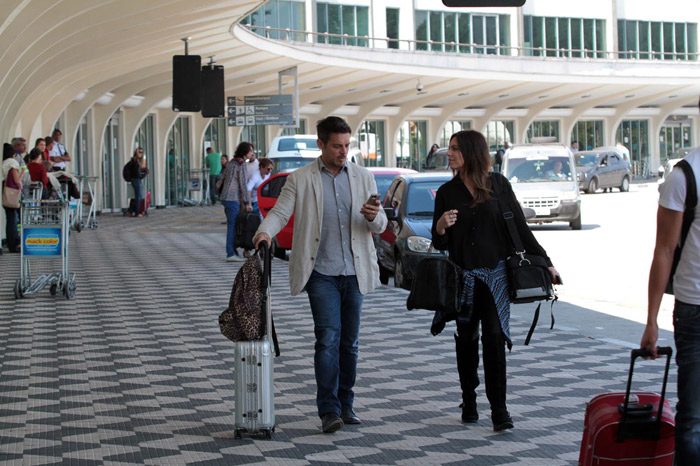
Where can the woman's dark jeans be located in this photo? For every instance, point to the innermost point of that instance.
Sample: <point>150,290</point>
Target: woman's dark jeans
<point>11,222</point>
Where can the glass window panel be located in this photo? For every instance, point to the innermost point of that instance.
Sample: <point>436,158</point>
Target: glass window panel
<point>589,36</point>
<point>464,30</point>
<point>421,29</point>
<point>631,38</point>
<point>621,38</point>
<point>271,18</point>
<point>348,14</point>
<point>491,34</point>
<point>656,41</point>
<point>450,30</point>
<point>392,27</point>
<point>644,45</point>
<point>600,42</point>
<point>436,30</point>
<point>680,41</point>
<point>551,36</point>
<point>537,34</point>
<point>692,41</point>
<point>321,20</point>
<point>564,37</point>
<point>527,28</point>
<point>334,23</point>
<point>478,32</point>
<point>668,41</point>
<point>298,20</point>
<point>362,27</point>
<point>576,42</point>
<point>504,34</point>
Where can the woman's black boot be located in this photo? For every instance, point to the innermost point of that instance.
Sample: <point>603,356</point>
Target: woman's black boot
<point>467,351</point>
<point>495,378</point>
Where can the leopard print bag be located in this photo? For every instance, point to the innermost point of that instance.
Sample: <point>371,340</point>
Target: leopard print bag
<point>244,319</point>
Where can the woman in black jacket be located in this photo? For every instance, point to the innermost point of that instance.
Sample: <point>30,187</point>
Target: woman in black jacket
<point>468,223</point>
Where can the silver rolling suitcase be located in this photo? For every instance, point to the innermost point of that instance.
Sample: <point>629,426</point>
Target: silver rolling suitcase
<point>255,393</point>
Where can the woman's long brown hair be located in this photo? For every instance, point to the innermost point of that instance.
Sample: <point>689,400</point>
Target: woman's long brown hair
<point>477,161</point>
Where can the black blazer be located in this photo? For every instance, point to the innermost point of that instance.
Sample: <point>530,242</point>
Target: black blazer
<point>480,236</point>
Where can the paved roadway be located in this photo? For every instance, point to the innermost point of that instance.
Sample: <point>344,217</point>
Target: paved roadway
<point>605,266</point>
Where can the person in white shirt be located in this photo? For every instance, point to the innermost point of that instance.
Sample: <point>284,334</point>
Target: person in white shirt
<point>686,311</point>
<point>256,178</point>
<point>253,164</point>
<point>58,155</point>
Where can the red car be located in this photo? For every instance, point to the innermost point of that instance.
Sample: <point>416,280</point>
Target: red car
<point>269,191</point>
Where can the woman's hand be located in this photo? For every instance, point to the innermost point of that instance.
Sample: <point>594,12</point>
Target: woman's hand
<point>447,219</point>
<point>556,278</point>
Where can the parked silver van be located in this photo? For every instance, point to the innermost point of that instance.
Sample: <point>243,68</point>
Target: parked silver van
<point>544,178</point>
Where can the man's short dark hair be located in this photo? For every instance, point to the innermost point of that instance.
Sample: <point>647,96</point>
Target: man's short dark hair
<point>331,125</point>
<point>209,149</point>
<point>57,131</point>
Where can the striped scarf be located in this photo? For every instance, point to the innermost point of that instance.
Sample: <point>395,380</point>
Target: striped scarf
<point>497,281</point>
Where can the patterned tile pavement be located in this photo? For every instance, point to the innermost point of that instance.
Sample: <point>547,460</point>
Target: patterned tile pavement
<point>134,370</point>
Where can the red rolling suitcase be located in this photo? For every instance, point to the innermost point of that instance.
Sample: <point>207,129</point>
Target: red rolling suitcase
<point>145,204</point>
<point>630,428</point>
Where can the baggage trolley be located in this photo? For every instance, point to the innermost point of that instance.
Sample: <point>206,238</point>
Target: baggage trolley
<point>255,393</point>
<point>88,192</point>
<point>45,232</point>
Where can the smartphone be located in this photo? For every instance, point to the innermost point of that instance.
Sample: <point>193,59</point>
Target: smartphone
<point>372,199</point>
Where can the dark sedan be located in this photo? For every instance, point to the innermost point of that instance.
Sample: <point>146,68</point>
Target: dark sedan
<point>602,169</point>
<point>409,204</point>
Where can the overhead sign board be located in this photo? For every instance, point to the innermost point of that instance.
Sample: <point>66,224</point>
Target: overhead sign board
<point>276,109</point>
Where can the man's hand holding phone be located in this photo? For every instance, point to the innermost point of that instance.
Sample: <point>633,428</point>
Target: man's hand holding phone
<point>370,209</point>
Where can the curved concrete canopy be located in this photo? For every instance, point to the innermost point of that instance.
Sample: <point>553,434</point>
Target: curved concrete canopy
<point>57,52</point>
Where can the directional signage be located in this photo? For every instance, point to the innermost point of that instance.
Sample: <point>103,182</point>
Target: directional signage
<point>251,110</point>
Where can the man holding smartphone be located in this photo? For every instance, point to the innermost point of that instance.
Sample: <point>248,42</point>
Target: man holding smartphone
<point>333,259</point>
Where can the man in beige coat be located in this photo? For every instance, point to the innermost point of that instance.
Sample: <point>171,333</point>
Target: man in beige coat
<point>333,259</point>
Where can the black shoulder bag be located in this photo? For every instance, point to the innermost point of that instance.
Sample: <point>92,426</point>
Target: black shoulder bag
<point>691,201</point>
<point>437,285</point>
<point>529,279</point>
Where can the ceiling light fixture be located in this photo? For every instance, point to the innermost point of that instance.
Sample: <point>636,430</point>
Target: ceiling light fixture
<point>316,87</point>
<point>419,86</point>
<point>629,96</point>
<point>462,94</point>
<point>543,97</point>
<point>672,96</point>
<point>384,91</point>
<point>503,95</point>
<point>585,96</point>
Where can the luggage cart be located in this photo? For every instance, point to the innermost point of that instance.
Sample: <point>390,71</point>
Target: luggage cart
<point>88,190</point>
<point>44,235</point>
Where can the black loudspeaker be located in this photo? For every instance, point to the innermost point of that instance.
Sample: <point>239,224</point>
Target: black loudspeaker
<point>213,99</point>
<point>187,83</point>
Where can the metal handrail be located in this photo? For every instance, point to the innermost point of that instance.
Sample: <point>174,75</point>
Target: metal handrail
<point>457,47</point>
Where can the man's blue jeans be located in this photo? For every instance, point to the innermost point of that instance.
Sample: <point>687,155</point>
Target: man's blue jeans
<point>231,209</point>
<point>686,323</point>
<point>336,305</point>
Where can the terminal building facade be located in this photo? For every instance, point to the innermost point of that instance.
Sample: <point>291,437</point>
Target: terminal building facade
<point>405,74</point>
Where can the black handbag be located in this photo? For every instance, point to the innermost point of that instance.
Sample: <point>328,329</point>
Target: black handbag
<point>437,285</point>
<point>529,279</point>
<point>691,200</point>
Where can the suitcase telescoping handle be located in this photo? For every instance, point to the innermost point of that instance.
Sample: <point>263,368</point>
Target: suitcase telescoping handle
<point>642,353</point>
<point>264,249</point>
